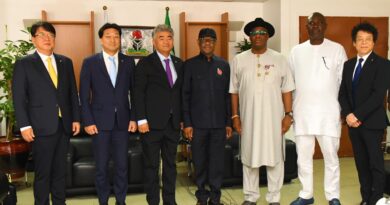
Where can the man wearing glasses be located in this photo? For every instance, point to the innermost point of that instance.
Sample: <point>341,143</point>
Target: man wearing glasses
<point>207,112</point>
<point>47,111</point>
<point>317,66</point>
<point>261,84</point>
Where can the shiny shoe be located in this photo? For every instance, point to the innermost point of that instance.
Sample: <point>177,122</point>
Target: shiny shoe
<point>274,203</point>
<point>334,202</point>
<point>363,203</point>
<point>302,201</point>
<point>201,203</point>
<point>248,203</point>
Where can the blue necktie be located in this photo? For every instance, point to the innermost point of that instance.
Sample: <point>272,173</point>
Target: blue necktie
<point>112,70</point>
<point>355,78</point>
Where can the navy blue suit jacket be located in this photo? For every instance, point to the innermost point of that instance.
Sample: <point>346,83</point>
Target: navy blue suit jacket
<point>36,99</point>
<point>101,103</point>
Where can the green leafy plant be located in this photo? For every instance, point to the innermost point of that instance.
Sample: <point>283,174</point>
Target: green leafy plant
<point>12,51</point>
<point>243,45</point>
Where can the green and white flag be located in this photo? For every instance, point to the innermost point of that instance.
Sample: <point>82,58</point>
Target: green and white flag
<point>168,23</point>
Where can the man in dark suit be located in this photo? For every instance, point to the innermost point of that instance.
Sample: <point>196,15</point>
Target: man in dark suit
<point>207,112</point>
<point>361,95</point>
<point>158,80</point>
<point>105,83</point>
<point>47,111</point>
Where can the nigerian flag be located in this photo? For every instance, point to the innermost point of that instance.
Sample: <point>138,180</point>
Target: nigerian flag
<point>168,23</point>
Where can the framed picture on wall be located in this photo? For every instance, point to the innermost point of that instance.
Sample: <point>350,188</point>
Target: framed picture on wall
<point>136,41</point>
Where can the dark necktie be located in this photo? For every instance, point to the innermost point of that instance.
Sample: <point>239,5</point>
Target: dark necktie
<point>355,78</point>
<point>169,72</point>
<point>357,72</point>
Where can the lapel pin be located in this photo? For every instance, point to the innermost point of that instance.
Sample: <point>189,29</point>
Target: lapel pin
<point>219,71</point>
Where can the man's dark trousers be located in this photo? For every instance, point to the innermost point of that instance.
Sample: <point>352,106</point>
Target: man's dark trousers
<point>154,142</point>
<point>369,162</point>
<point>112,143</point>
<point>207,148</point>
<point>50,168</point>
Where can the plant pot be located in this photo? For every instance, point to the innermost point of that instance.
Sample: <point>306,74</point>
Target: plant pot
<point>13,157</point>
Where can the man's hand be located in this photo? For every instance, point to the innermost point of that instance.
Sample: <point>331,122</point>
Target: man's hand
<point>229,131</point>
<point>91,130</point>
<point>28,135</point>
<point>144,128</point>
<point>75,128</point>
<point>286,123</point>
<point>132,126</point>
<point>237,125</point>
<point>188,133</point>
<point>352,121</point>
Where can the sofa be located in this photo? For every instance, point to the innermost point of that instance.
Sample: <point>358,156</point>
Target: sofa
<point>233,165</point>
<point>80,176</point>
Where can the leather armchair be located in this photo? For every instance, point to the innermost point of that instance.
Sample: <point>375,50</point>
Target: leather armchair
<point>80,177</point>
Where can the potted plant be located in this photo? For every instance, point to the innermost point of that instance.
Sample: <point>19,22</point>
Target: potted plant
<point>243,45</point>
<point>13,150</point>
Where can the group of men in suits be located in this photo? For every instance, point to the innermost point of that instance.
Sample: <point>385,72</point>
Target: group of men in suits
<point>156,97</point>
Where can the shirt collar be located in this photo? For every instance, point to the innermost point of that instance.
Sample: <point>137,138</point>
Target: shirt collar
<point>364,57</point>
<point>44,57</point>
<point>106,55</point>
<point>201,55</point>
<point>162,58</point>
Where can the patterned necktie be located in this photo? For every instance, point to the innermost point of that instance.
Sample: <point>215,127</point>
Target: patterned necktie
<point>53,77</point>
<point>112,70</point>
<point>52,72</point>
<point>169,72</point>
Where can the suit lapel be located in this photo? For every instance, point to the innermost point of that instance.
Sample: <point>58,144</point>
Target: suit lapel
<point>177,66</point>
<point>40,66</point>
<point>103,68</point>
<point>60,71</point>
<point>121,66</point>
<point>160,68</point>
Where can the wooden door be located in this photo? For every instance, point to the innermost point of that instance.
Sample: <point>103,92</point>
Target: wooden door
<point>189,35</point>
<point>74,39</point>
<point>339,30</point>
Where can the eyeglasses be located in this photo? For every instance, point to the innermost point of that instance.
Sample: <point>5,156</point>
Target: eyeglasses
<point>207,40</point>
<point>43,35</point>
<point>258,32</point>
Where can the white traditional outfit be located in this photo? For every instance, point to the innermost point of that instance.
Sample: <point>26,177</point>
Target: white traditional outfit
<point>259,81</point>
<point>317,70</point>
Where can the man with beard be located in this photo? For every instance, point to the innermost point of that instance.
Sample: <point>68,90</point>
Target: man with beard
<point>261,85</point>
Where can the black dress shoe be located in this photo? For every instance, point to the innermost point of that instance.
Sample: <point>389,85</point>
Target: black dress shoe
<point>363,203</point>
<point>215,203</point>
<point>201,203</point>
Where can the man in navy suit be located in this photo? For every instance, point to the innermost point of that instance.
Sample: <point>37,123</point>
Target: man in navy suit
<point>362,91</point>
<point>106,81</point>
<point>158,80</point>
<point>47,111</point>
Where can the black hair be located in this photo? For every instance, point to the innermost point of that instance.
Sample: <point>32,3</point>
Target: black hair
<point>366,27</point>
<point>108,26</point>
<point>42,24</point>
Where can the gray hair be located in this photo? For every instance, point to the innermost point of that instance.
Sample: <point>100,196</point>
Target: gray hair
<point>162,28</point>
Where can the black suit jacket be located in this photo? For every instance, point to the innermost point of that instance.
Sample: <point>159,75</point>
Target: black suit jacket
<point>155,100</point>
<point>205,93</point>
<point>36,99</point>
<point>101,102</point>
<point>370,91</point>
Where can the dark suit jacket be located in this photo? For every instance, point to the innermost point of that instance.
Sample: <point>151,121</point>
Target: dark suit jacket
<point>370,91</point>
<point>205,93</point>
<point>36,99</point>
<point>100,99</point>
<point>155,100</point>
